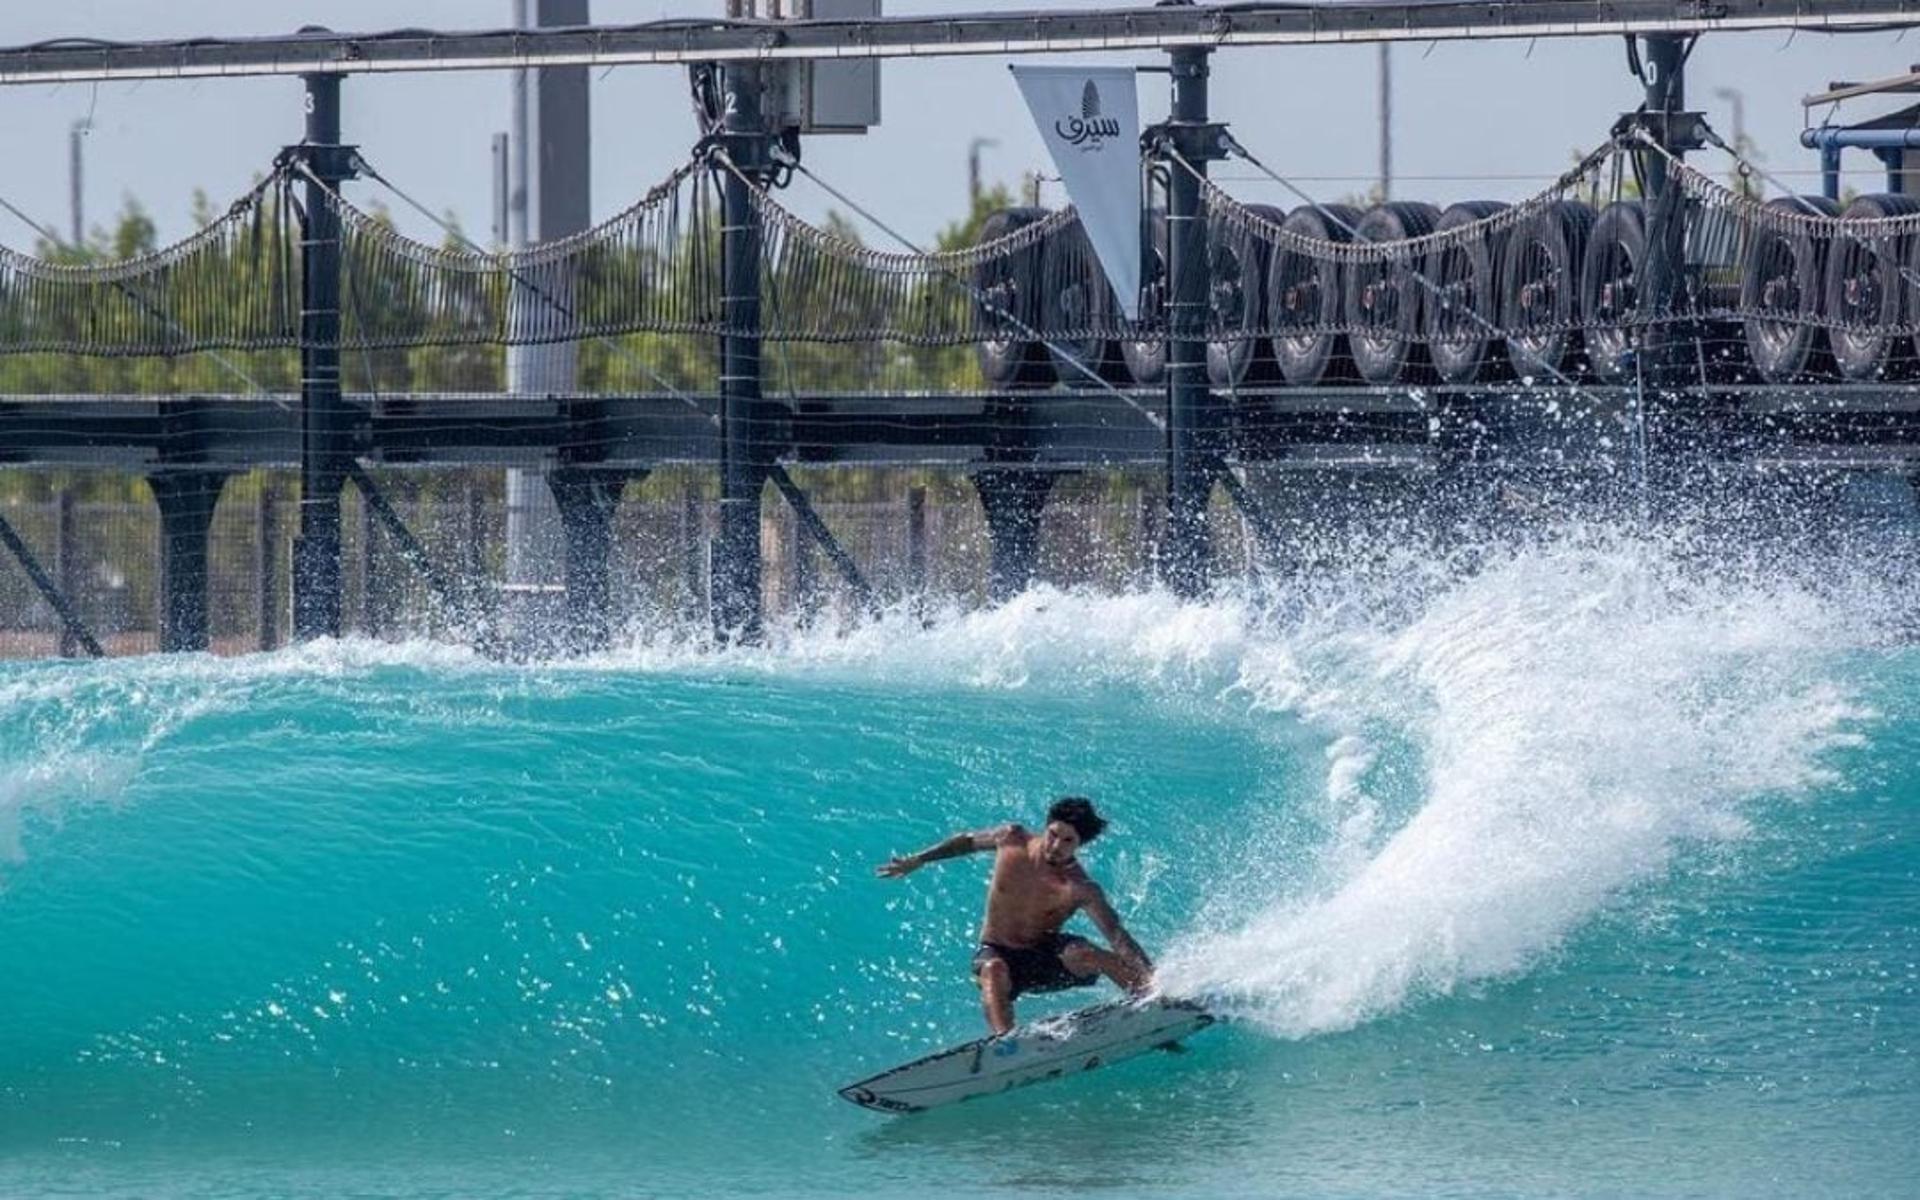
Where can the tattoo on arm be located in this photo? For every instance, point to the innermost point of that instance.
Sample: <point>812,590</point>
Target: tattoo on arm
<point>967,843</point>
<point>953,847</point>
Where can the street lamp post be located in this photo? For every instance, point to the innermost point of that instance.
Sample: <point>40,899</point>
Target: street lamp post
<point>1737,100</point>
<point>973,168</point>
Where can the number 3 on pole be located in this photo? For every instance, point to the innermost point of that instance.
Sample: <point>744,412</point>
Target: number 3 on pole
<point>306,100</point>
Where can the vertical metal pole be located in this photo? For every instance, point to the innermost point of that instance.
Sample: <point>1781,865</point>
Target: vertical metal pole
<point>736,602</point>
<point>371,602</point>
<point>916,540</point>
<point>1386,121</point>
<point>266,541</point>
<point>1190,443</point>
<point>66,565</point>
<point>1669,436</point>
<point>1147,533</point>
<point>1666,95</point>
<point>692,539</point>
<point>76,197</point>
<point>502,191</point>
<point>324,428</point>
<point>518,207</point>
<point>474,528</point>
<point>1830,172</point>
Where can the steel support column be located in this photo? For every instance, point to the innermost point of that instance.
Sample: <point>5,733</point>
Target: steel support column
<point>1012,499</point>
<point>1666,102</point>
<point>1669,357</point>
<point>186,500</point>
<point>1192,433</point>
<point>745,441</point>
<point>587,500</point>
<point>66,564</point>
<point>326,431</point>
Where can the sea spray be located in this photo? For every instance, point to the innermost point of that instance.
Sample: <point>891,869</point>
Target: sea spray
<point>1582,712</point>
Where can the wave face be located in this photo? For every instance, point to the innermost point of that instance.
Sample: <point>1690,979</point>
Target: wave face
<point>1591,870</point>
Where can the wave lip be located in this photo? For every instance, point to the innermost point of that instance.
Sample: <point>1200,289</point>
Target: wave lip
<point>1581,714</point>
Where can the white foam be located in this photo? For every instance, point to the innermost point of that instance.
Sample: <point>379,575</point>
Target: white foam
<point>1583,712</point>
<point>48,789</point>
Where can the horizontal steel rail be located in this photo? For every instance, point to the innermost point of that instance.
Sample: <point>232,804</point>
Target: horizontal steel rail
<point>683,40</point>
<point>1066,428</point>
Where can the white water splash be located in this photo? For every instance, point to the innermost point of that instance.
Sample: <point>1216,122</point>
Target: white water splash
<point>1582,713</point>
<point>48,789</point>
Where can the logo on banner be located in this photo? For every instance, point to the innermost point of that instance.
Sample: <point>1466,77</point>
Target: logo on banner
<point>1089,120</point>
<point>1089,130</point>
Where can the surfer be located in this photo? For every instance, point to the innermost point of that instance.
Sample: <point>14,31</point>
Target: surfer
<point>1037,884</point>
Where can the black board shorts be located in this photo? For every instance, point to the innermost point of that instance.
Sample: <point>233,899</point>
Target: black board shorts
<point>1036,968</point>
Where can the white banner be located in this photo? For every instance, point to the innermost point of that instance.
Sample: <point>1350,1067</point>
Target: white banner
<point>1089,117</point>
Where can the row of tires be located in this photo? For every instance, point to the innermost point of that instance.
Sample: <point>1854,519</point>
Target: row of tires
<point>1551,295</point>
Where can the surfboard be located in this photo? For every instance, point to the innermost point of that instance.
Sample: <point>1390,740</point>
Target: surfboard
<point>1064,1045</point>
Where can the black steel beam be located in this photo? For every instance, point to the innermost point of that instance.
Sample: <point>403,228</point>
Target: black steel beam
<point>1061,428</point>
<point>69,616</point>
<point>444,585</point>
<point>694,39</point>
<point>816,529</point>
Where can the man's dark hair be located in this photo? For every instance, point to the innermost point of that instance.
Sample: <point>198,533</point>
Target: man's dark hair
<point>1077,811</point>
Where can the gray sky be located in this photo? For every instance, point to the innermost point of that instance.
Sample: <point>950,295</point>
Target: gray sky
<point>1495,109</point>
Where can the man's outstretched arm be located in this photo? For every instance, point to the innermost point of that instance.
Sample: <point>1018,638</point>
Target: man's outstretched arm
<point>1108,921</point>
<point>954,847</point>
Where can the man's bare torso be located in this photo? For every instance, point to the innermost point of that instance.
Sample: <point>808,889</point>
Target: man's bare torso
<point>1029,899</point>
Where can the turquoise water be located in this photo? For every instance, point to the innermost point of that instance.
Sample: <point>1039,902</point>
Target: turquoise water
<point>1590,873</point>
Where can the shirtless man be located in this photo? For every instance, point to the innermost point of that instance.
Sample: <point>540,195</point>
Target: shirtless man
<point>1037,885</point>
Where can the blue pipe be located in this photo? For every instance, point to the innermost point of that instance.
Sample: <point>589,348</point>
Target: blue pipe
<point>1863,139</point>
<point>1889,145</point>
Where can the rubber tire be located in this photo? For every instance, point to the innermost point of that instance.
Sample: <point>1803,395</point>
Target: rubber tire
<point>1872,352</point>
<point>1075,297</point>
<point>1146,358</point>
<point>1017,360</point>
<point>1545,252</point>
<point>1396,354</point>
<point>1306,291</point>
<point>1619,240</point>
<point>1466,351</point>
<point>1237,300</point>
<point>1792,349</point>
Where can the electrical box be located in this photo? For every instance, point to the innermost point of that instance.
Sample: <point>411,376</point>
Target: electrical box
<point>831,95</point>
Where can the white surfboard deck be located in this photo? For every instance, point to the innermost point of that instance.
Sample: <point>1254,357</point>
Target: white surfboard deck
<point>1063,1045</point>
